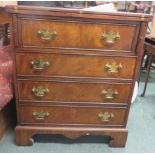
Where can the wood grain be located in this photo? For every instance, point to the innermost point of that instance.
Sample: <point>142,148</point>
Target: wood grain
<point>74,91</point>
<point>74,65</point>
<point>72,115</point>
<point>77,34</point>
<point>76,73</point>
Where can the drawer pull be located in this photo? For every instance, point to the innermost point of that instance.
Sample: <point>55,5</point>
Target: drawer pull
<point>109,93</point>
<point>40,91</point>
<point>106,116</point>
<point>113,67</point>
<point>39,64</point>
<point>110,37</point>
<point>47,35</point>
<point>40,115</point>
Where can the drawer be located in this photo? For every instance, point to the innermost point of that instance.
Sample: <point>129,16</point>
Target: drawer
<point>60,115</point>
<point>71,91</point>
<point>76,34</point>
<point>75,65</point>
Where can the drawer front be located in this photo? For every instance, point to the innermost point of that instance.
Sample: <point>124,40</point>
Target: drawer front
<point>69,91</point>
<point>51,34</point>
<point>72,115</point>
<point>75,65</point>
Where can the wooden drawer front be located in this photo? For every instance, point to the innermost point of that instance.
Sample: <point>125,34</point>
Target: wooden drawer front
<point>77,35</point>
<point>74,91</point>
<point>76,65</point>
<point>72,115</point>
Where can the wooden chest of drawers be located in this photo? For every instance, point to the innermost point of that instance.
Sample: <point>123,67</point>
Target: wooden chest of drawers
<point>75,71</point>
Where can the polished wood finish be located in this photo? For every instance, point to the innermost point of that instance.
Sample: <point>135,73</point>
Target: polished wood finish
<point>4,16</point>
<point>71,91</point>
<point>71,37</point>
<point>75,71</point>
<point>78,13</point>
<point>149,50</point>
<point>75,65</point>
<point>80,116</point>
<point>5,21</point>
<point>24,133</point>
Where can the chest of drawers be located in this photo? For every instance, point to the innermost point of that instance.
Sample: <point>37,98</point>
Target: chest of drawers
<point>75,71</point>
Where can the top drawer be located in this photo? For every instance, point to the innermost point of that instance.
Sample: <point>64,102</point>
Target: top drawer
<point>76,34</point>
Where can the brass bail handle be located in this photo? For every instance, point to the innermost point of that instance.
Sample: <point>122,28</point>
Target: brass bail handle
<point>39,64</point>
<point>40,115</point>
<point>109,93</point>
<point>113,67</point>
<point>40,91</point>
<point>47,35</point>
<point>105,116</point>
<point>110,37</point>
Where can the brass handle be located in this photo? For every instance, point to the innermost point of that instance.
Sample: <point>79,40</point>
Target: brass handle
<point>110,37</point>
<point>40,91</point>
<point>105,116</point>
<point>40,115</point>
<point>109,93</point>
<point>113,67</point>
<point>46,35</point>
<point>39,64</point>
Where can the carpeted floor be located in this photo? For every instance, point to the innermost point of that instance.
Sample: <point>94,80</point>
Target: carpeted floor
<point>141,125</point>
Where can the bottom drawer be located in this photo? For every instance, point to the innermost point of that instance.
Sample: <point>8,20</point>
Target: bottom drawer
<point>72,115</point>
